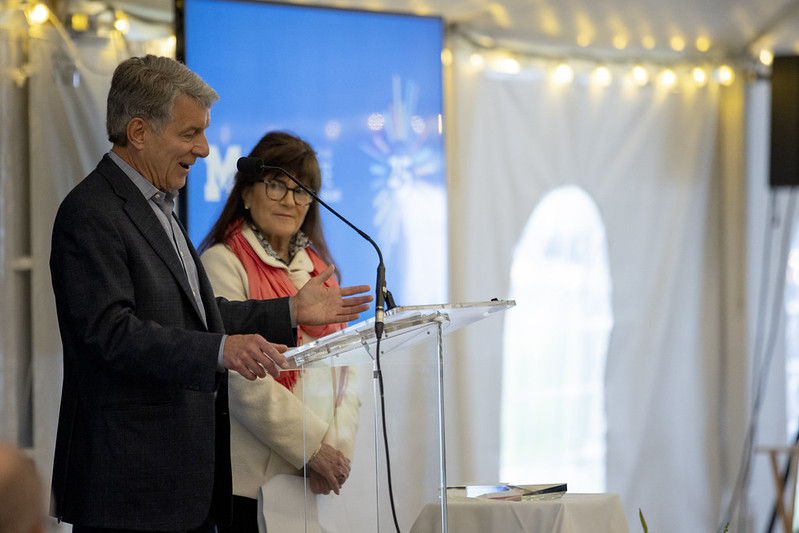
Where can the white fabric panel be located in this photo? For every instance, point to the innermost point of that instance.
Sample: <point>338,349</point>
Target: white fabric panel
<point>67,139</point>
<point>14,272</point>
<point>646,156</point>
<point>763,250</point>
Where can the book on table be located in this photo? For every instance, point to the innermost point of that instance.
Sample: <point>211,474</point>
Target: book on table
<point>509,492</point>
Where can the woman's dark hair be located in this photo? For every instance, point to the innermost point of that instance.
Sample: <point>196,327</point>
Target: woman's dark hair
<point>284,150</point>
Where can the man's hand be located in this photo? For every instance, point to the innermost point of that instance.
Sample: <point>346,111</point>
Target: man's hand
<point>318,305</point>
<point>252,356</point>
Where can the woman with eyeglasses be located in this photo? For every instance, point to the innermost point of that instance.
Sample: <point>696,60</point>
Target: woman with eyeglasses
<point>267,243</point>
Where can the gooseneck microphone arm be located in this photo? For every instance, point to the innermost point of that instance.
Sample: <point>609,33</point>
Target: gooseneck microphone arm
<point>255,166</point>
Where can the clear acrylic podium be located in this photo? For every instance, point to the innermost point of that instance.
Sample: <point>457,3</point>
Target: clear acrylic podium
<point>405,327</point>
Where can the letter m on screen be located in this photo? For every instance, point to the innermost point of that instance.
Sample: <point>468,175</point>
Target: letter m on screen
<point>220,172</point>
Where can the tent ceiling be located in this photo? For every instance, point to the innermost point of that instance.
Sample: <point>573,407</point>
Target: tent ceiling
<point>630,27</point>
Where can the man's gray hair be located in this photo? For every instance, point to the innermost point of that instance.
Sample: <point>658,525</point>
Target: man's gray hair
<point>147,87</point>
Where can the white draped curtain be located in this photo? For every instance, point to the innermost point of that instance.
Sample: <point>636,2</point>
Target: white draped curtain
<point>52,133</point>
<point>666,169</point>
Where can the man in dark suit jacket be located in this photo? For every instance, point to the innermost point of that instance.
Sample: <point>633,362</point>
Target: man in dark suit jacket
<point>143,431</point>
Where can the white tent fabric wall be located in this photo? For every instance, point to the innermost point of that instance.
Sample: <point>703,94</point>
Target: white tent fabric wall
<point>767,221</point>
<point>15,372</point>
<point>647,157</point>
<point>52,134</point>
<point>67,137</point>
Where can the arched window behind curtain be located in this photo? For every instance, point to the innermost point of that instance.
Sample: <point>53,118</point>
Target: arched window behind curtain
<point>791,302</point>
<point>792,339</point>
<point>555,345</point>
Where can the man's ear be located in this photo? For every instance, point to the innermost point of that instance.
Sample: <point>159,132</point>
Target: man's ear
<point>137,131</point>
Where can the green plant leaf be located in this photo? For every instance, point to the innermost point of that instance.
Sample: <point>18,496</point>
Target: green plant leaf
<point>643,522</point>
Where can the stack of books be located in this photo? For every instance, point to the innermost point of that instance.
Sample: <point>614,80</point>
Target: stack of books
<point>508,492</point>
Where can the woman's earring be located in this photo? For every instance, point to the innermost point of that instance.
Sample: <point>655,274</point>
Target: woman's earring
<point>246,207</point>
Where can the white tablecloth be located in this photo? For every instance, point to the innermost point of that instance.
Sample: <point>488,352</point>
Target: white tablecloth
<point>571,513</point>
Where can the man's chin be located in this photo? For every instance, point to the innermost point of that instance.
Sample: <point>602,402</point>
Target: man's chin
<point>178,183</point>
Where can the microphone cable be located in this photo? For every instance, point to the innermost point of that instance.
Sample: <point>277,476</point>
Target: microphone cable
<point>379,372</point>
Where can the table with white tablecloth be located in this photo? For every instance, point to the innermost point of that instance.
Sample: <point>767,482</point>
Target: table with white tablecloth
<point>569,513</point>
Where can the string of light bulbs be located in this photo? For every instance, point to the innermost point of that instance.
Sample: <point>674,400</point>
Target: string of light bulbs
<point>603,67</point>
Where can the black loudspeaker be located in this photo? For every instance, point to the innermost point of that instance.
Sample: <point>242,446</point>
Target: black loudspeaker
<point>784,170</point>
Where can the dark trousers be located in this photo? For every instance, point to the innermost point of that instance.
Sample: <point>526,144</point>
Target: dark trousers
<point>207,527</point>
<point>245,516</point>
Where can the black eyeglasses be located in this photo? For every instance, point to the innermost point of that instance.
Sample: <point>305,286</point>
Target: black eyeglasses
<point>276,190</point>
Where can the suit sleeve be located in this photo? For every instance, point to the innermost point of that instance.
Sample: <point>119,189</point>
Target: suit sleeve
<point>270,318</point>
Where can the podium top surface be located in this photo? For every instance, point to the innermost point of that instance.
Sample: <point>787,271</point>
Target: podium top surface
<point>404,326</point>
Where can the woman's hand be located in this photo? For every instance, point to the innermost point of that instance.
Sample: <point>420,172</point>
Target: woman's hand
<point>317,483</point>
<point>329,470</point>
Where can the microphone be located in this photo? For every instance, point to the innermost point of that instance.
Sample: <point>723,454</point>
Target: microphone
<point>253,166</point>
<point>383,300</point>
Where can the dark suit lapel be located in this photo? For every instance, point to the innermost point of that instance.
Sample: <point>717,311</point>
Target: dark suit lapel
<point>142,216</point>
<point>213,319</point>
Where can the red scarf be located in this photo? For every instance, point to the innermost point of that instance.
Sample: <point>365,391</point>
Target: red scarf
<point>268,282</point>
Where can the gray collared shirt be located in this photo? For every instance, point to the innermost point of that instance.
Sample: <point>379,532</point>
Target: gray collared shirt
<point>163,204</point>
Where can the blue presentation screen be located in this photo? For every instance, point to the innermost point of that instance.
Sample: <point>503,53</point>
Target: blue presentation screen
<point>365,90</point>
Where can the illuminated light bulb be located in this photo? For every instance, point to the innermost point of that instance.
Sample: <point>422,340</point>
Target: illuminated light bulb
<point>677,43</point>
<point>510,66</point>
<point>703,43</point>
<point>725,75</point>
<point>477,60</point>
<point>39,14</point>
<point>640,76</point>
<point>446,57</point>
<point>583,40</point>
<point>699,75</point>
<point>79,22</point>
<point>620,42</point>
<point>668,78</point>
<point>563,74</point>
<point>602,76</point>
<point>168,46</point>
<point>648,42</point>
<point>766,57</point>
<point>121,24</point>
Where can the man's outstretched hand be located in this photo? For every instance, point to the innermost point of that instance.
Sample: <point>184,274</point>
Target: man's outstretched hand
<point>317,305</point>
